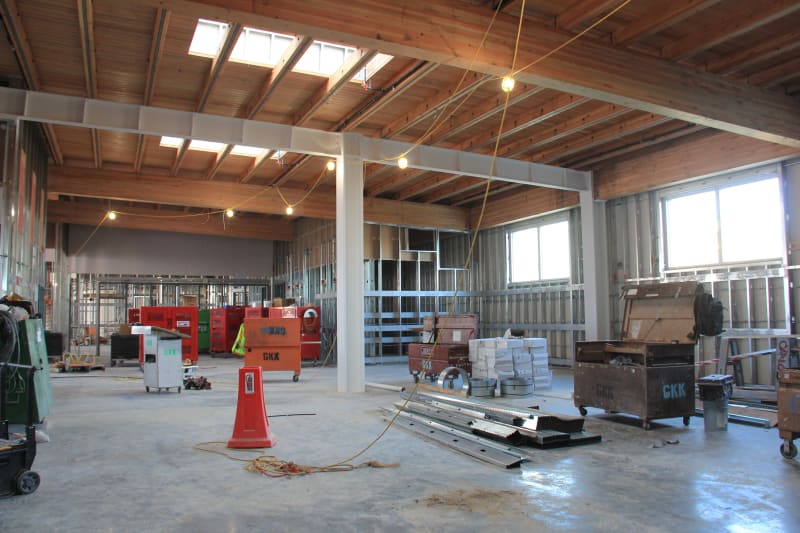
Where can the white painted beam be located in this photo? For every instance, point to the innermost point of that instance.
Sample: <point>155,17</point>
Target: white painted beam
<point>132,118</point>
<point>596,295</point>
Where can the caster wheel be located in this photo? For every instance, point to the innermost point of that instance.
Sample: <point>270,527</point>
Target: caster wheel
<point>295,378</point>
<point>582,410</point>
<point>147,389</point>
<point>27,482</point>
<point>687,420</point>
<point>646,425</point>
<point>789,451</point>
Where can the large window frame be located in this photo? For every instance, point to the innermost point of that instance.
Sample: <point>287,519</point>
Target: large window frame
<point>543,236</point>
<point>719,188</point>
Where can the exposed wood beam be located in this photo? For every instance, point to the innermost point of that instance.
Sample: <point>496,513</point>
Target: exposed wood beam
<point>220,157</point>
<point>583,11</point>
<point>22,50</point>
<point>782,72</point>
<point>756,53</point>
<point>398,85</point>
<point>664,15</point>
<point>217,64</point>
<point>445,100</point>
<point>156,50</point>
<point>421,186</point>
<point>257,163</point>
<point>175,220</point>
<point>531,202</point>
<point>167,190</point>
<point>286,63</point>
<point>629,126</point>
<point>180,155</point>
<point>756,14</point>
<point>689,157</point>
<point>354,62</point>
<point>386,181</point>
<point>585,67</point>
<point>658,135</point>
<point>86,24</point>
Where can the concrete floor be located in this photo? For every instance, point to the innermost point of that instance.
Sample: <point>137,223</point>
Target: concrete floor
<point>122,460</point>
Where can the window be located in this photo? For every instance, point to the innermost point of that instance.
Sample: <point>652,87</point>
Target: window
<point>265,48</point>
<point>539,253</point>
<point>727,224</point>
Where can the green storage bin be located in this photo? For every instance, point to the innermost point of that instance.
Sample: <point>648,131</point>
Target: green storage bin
<point>204,330</point>
<point>33,351</point>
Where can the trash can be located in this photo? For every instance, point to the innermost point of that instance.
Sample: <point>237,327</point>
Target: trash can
<point>715,391</point>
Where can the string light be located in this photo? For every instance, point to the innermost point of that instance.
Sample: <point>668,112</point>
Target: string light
<point>112,215</point>
<point>229,213</point>
<point>289,210</point>
<point>507,84</point>
<point>331,166</point>
<point>402,163</point>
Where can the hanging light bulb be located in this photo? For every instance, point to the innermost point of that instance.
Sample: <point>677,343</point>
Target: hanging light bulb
<point>229,213</point>
<point>289,210</point>
<point>331,166</point>
<point>507,83</point>
<point>112,215</point>
<point>402,163</point>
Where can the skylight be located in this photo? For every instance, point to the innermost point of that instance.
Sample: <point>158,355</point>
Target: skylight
<point>208,37</point>
<point>208,146</point>
<point>265,49</point>
<point>171,142</point>
<point>250,151</point>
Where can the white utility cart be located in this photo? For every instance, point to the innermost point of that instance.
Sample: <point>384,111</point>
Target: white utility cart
<point>163,357</point>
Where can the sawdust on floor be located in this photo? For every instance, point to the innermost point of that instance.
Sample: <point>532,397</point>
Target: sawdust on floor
<point>489,502</point>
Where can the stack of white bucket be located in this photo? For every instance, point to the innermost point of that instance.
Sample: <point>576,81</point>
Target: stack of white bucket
<point>500,358</point>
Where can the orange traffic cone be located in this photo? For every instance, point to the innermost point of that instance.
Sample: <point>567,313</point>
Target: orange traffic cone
<point>251,429</point>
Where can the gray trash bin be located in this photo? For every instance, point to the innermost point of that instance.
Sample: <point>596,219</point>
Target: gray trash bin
<point>715,391</point>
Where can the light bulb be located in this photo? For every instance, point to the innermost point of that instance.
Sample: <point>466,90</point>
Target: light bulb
<point>402,163</point>
<point>507,84</point>
<point>331,166</point>
<point>289,210</point>
<point>112,215</point>
<point>229,213</point>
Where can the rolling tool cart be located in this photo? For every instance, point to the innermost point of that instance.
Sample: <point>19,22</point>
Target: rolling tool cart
<point>789,411</point>
<point>650,372</point>
<point>17,454</point>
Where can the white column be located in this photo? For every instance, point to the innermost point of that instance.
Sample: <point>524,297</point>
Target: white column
<point>595,267</point>
<point>350,269</point>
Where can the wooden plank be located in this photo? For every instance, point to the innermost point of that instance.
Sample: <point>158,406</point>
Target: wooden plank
<point>666,14</point>
<point>583,11</point>
<point>176,220</point>
<point>761,51</point>
<point>530,203</point>
<point>689,157</point>
<point>585,67</point>
<point>250,198</point>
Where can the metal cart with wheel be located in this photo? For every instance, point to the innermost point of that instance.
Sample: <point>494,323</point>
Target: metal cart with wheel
<point>17,455</point>
<point>789,411</point>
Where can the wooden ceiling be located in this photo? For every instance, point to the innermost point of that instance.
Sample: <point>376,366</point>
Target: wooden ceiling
<point>654,92</point>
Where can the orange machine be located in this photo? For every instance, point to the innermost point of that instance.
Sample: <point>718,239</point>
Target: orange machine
<point>273,344</point>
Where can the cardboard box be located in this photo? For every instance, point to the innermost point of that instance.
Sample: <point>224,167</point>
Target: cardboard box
<point>277,302</point>
<point>427,323</point>
<point>124,329</point>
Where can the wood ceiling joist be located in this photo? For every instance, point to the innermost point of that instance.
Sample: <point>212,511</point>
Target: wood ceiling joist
<point>154,57</point>
<point>629,126</point>
<point>167,190</point>
<point>583,11</point>
<point>757,15</point>
<point>666,14</point>
<point>528,203</point>
<point>354,62</point>
<point>218,160</point>
<point>22,50</point>
<point>421,186</point>
<point>386,181</point>
<point>689,157</point>
<point>585,67</point>
<point>777,74</point>
<point>761,51</point>
<point>257,163</point>
<point>249,227</point>
<point>86,24</point>
<point>398,85</point>
<point>217,64</point>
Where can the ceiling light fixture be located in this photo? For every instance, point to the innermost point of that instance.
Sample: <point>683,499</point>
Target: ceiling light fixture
<point>289,210</point>
<point>112,215</point>
<point>229,213</point>
<point>331,166</point>
<point>507,83</point>
<point>402,163</point>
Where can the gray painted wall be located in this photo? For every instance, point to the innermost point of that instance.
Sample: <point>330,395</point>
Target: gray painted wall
<point>128,252</point>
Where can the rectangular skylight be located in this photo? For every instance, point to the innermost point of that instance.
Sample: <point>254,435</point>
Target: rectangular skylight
<point>206,146</point>
<point>208,38</point>
<point>171,142</point>
<point>249,151</point>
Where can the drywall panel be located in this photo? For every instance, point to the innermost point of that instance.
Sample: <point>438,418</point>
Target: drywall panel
<point>129,252</point>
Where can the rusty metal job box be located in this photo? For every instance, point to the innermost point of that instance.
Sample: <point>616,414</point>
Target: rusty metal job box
<point>428,360</point>
<point>650,372</point>
<point>789,410</point>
